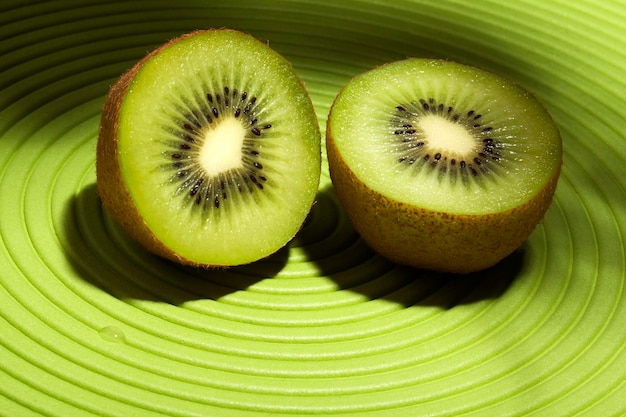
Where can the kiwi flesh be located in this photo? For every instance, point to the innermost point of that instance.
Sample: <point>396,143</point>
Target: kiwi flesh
<point>440,165</point>
<point>209,150</point>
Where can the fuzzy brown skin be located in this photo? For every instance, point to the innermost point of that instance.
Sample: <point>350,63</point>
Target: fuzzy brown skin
<point>433,240</point>
<point>115,196</point>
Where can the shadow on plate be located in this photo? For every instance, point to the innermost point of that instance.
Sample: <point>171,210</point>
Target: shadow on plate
<point>377,278</point>
<point>103,255</point>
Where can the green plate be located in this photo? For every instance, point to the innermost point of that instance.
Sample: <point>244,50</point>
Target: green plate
<point>90,324</point>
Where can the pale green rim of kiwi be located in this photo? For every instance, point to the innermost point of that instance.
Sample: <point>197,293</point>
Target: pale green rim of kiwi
<point>92,325</point>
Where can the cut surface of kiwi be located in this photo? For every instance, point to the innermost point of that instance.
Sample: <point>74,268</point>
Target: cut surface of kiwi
<point>209,150</point>
<point>441,165</point>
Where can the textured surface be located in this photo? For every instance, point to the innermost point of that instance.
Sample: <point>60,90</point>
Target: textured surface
<point>92,325</point>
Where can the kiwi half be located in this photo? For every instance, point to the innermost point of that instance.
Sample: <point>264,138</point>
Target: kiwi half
<point>209,150</point>
<point>440,165</point>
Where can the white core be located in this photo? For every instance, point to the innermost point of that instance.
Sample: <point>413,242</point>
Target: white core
<point>446,136</point>
<point>221,150</point>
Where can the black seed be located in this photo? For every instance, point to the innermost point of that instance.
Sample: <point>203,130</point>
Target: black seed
<point>463,164</point>
<point>189,138</point>
<point>426,157</point>
<point>209,119</point>
<point>216,202</point>
<point>473,171</point>
<point>253,100</point>
<point>235,92</point>
<point>437,156</point>
<point>410,131</point>
<point>478,116</point>
<point>398,132</point>
<point>254,152</point>
<point>470,113</point>
<point>487,140</point>
<point>476,125</point>
<point>176,156</point>
<point>218,98</point>
<point>253,121</point>
<point>411,161</point>
<point>215,113</point>
<point>482,155</point>
<point>198,199</point>
<point>259,185</point>
<point>440,108</point>
<point>181,174</point>
<point>209,97</point>
<point>177,164</point>
<point>187,126</point>
<point>478,161</point>
<point>453,161</point>
<point>253,179</point>
<point>450,109</point>
<point>419,144</point>
<point>400,108</point>
<point>402,159</point>
<point>262,178</point>
<point>267,126</point>
<point>495,158</point>
<point>456,117</point>
<point>258,165</point>
<point>243,96</point>
<point>488,129</point>
<point>431,100</point>
<point>425,105</point>
<point>185,146</point>
<point>226,101</point>
<point>226,91</point>
<point>256,131</point>
<point>196,187</point>
<point>246,109</point>
<point>237,112</point>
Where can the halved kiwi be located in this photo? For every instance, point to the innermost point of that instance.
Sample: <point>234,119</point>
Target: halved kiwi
<point>440,165</point>
<point>209,150</point>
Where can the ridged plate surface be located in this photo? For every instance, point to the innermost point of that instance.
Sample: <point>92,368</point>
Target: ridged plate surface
<point>90,324</point>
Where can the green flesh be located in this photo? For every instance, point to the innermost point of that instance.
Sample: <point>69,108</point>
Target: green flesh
<point>219,146</point>
<point>445,137</point>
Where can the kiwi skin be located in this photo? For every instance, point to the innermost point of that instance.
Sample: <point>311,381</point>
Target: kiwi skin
<point>425,239</point>
<point>432,240</point>
<point>114,194</point>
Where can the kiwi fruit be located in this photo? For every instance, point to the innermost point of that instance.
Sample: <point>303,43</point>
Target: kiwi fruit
<point>440,165</point>
<point>209,150</point>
